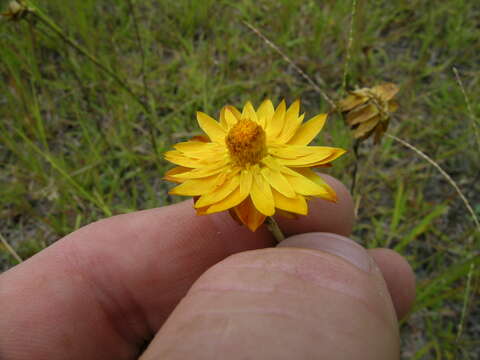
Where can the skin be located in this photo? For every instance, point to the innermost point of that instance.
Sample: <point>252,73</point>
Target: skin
<point>183,286</point>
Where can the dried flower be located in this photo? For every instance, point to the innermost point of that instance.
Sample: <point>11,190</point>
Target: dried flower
<point>368,110</point>
<point>16,10</point>
<point>254,164</point>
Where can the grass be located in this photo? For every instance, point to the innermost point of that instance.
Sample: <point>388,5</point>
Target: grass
<point>75,146</point>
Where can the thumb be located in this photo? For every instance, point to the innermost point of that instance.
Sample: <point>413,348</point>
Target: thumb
<point>317,295</point>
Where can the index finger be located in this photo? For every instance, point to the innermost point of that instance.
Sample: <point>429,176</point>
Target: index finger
<point>101,291</point>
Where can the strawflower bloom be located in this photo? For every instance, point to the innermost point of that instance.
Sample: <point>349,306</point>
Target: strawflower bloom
<point>367,110</point>
<point>254,163</point>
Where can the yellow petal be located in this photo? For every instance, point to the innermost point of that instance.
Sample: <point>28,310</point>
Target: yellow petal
<point>198,186</point>
<point>318,155</point>
<point>361,114</point>
<point>290,129</point>
<point>178,158</point>
<point>292,122</point>
<point>232,200</point>
<point>201,150</point>
<point>317,179</point>
<point>230,118</point>
<point>206,170</point>
<point>273,164</point>
<point>170,174</point>
<point>264,112</point>
<point>276,123</point>
<point>211,127</point>
<point>308,130</point>
<point>307,187</point>
<point>296,205</point>
<point>249,215</point>
<point>278,181</point>
<point>261,194</point>
<point>246,180</point>
<point>249,112</point>
<point>219,193</point>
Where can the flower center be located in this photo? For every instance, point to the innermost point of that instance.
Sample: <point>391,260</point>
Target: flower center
<point>246,142</point>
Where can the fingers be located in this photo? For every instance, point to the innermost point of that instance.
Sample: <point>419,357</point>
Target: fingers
<point>399,277</point>
<point>103,290</point>
<point>315,296</point>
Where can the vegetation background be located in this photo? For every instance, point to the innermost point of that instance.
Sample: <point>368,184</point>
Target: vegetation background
<point>75,146</point>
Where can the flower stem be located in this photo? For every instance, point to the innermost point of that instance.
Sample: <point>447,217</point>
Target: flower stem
<point>275,229</point>
<point>356,165</point>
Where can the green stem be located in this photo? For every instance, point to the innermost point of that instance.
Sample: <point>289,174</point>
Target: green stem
<point>275,229</point>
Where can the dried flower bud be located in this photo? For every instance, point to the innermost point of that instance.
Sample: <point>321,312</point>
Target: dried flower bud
<point>16,10</point>
<point>367,110</point>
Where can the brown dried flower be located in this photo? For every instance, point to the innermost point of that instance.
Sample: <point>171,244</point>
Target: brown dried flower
<point>367,110</point>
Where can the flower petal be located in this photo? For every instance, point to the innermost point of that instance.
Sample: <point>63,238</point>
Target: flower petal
<point>278,181</point>
<point>361,114</point>
<point>249,215</point>
<point>178,158</point>
<point>206,170</point>
<point>385,91</point>
<point>249,112</point>
<point>307,132</point>
<point>292,122</point>
<point>246,180</point>
<point>296,205</point>
<point>317,179</point>
<point>220,192</point>
<point>211,127</point>
<point>351,101</point>
<point>201,150</point>
<point>305,186</point>
<point>317,155</point>
<point>276,123</point>
<point>170,174</point>
<point>261,194</point>
<point>366,127</point>
<point>231,117</point>
<point>232,200</point>
<point>265,112</point>
<point>197,187</point>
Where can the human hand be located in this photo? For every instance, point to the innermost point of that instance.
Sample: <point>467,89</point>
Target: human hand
<point>106,290</point>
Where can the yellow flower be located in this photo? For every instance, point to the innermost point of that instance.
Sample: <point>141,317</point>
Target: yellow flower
<point>254,163</point>
<point>368,110</point>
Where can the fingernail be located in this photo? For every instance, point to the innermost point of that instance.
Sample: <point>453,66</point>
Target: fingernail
<point>333,244</point>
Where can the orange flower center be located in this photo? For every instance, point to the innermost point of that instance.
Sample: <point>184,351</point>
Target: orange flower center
<point>246,142</point>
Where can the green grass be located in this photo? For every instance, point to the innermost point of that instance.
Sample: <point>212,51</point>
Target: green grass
<point>76,147</point>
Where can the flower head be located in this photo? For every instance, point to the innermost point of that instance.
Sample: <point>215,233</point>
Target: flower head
<point>368,110</point>
<point>253,163</point>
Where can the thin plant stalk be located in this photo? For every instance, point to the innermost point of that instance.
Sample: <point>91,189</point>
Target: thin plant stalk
<point>356,166</point>
<point>288,60</point>
<point>10,249</point>
<point>273,227</point>
<point>131,7</point>
<point>349,46</point>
